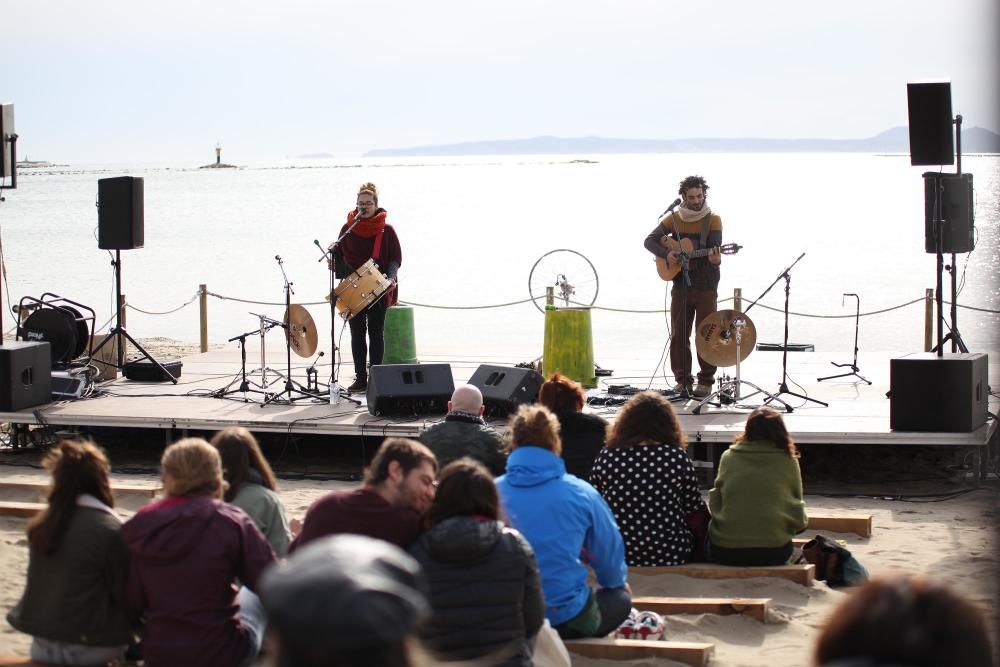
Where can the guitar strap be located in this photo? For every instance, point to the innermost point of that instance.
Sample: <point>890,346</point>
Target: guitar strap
<point>705,223</point>
<point>378,244</point>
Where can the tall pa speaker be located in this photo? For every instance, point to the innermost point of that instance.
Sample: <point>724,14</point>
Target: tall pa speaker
<point>25,375</point>
<point>409,389</point>
<point>931,138</point>
<point>506,387</point>
<point>7,162</point>
<point>948,200</point>
<point>939,394</point>
<point>120,213</point>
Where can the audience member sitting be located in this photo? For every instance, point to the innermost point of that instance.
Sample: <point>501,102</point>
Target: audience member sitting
<point>74,600</point>
<point>756,504</point>
<point>649,481</point>
<point>568,525</point>
<point>252,485</point>
<point>582,434</point>
<point>398,488</point>
<point>346,600</point>
<point>189,553</point>
<point>904,622</point>
<point>485,590</point>
<point>464,432</point>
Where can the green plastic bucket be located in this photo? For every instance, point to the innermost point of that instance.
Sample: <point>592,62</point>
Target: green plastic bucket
<point>569,345</point>
<point>400,342</point>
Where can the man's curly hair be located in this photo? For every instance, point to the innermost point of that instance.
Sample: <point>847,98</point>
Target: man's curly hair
<point>693,182</point>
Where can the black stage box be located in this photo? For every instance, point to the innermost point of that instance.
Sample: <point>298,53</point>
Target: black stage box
<point>941,394</point>
<point>409,389</point>
<point>25,374</point>
<point>506,387</point>
<point>144,370</point>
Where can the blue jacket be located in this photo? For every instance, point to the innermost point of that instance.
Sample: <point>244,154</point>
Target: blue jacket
<point>567,523</point>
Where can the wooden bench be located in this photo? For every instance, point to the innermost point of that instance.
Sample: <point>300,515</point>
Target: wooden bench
<point>755,608</point>
<point>800,574</point>
<point>12,508</point>
<point>690,653</point>
<point>119,489</point>
<point>859,524</point>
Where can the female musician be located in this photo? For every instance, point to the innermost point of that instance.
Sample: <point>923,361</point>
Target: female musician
<point>370,238</point>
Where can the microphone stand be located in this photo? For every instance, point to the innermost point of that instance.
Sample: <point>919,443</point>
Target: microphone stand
<point>682,258</point>
<point>336,394</point>
<point>783,387</point>
<point>853,365</point>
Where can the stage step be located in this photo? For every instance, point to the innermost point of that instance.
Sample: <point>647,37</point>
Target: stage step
<point>859,524</point>
<point>41,488</point>
<point>689,653</point>
<point>13,508</point>
<point>800,574</point>
<point>755,608</point>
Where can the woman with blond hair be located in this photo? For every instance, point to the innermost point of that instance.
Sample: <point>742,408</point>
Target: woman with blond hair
<point>366,235</point>
<point>189,553</point>
<point>569,526</point>
<point>252,485</point>
<point>756,503</point>
<point>581,433</point>
<point>74,601</point>
<point>648,479</point>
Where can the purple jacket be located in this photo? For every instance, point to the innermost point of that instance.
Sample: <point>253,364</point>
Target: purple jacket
<point>187,554</point>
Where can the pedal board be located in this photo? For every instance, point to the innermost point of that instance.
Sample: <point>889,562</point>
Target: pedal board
<point>65,385</point>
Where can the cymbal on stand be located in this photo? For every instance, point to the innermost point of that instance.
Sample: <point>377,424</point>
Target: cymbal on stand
<point>300,331</point>
<point>716,337</point>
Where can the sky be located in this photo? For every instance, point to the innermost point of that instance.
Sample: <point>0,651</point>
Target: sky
<point>105,81</point>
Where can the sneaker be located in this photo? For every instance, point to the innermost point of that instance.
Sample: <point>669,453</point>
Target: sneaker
<point>701,390</point>
<point>360,385</point>
<point>629,628</point>
<point>649,626</point>
<point>681,387</point>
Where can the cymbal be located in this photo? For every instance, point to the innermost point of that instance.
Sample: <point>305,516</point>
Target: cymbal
<point>716,337</point>
<point>301,332</point>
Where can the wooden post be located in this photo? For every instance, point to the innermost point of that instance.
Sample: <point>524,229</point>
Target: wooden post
<point>203,317</point>
<point>928,319</point>
<point>123,355</point>
<point>738,299</point>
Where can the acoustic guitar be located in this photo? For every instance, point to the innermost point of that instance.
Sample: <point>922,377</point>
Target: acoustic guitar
<point>667,270</point>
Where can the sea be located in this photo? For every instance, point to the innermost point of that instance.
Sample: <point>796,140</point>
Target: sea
<point>482,236</point>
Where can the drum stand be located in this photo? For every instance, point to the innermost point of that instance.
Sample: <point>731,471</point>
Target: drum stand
<point>729,390</point>
<point>291,387</point>
<point>853,365</point>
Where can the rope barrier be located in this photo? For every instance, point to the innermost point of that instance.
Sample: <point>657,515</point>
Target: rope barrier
<point>164,312</point>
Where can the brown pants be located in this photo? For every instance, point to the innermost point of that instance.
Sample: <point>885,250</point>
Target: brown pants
<point>700,304</point>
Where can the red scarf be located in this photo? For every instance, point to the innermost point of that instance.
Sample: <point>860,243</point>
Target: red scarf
<point>367,227</point>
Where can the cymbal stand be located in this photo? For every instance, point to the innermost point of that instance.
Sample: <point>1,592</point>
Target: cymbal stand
<point>729,391</point>
<point>245,383</point>
<point>291,387</point>
<point>854,364</point>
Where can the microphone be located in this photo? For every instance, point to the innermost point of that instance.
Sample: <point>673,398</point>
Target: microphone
<point>670,208</point>
<point>278,257</point>
<point>322,249</point>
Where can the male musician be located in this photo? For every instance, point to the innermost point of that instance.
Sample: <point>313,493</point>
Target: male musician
<point>370,238</point>
<point>690,303</point>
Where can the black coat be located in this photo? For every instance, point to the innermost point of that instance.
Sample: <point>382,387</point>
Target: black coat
<point>582,435</point>
<point>485,591</point>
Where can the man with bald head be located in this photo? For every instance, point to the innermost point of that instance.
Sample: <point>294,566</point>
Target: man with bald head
<point>464,432</point>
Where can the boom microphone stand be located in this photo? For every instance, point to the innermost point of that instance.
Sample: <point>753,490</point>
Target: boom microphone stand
<point>853,365</point>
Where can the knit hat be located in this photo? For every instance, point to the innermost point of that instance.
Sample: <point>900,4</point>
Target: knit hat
<point>345,592</point>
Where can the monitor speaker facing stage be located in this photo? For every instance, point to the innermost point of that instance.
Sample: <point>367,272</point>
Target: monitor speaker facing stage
<point>939,394</point>
<point>409,389</point>
<point>504,388</point>
<point>25,375</point>
<point>120,213</point>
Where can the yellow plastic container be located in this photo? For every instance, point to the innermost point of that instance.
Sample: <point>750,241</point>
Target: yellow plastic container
<point>569,345</point>
<point>400,340</point>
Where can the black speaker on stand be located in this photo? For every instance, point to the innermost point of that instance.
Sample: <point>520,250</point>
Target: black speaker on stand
<point>929,110</point>
<point>949,197</point>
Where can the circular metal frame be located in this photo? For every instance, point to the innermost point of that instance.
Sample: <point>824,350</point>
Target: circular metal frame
<point>571,275</point>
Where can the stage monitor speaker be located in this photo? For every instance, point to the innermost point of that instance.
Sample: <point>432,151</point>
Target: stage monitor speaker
<point>939,394</point>
<point>409,389</point>
<point>120,213</point>
<point>932,139</point>
<point>7,165</point>
<point>504,388</point>
<point>25,375</point>
<point>953,192</point>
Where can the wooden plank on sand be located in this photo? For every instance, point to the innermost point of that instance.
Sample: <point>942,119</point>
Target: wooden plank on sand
<point>119,489</point>
<point>9,508</point>
<point>18,661</point>
<point>859,524</point>
<point>800,574</point>
<point>690,653</point>
<point>755,608</point>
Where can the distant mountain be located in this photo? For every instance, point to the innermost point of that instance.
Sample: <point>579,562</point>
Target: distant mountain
<point>896,140</point>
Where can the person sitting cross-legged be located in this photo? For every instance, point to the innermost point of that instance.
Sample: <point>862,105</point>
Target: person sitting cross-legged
<point>582,434</point>
<point>464,432</point>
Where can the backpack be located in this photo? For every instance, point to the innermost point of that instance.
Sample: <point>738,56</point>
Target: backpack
<point>834,564</point>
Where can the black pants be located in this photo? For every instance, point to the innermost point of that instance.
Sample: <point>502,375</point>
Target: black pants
<point>372,321</point>
<point>750,556</point>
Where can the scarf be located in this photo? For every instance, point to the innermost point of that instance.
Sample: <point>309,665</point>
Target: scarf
<point>368,227</point>
<point>687,215</point>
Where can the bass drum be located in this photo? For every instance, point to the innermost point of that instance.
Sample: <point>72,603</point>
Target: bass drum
<point>63,328</point>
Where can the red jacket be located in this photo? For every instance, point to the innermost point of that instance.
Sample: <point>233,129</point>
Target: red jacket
<point>187,555</point>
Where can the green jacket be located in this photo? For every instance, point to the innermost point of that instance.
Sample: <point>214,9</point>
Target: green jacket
<point>462,434</point>
<point>263,506</point>
<point>757,499</point>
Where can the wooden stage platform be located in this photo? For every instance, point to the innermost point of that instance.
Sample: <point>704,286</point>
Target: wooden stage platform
<point>857,413</point>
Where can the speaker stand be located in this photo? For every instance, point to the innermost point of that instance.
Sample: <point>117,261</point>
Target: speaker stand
<point>118,331</point>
